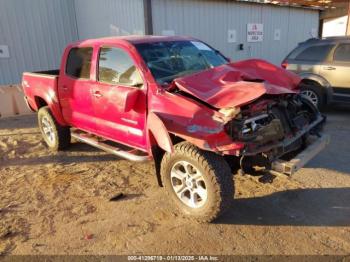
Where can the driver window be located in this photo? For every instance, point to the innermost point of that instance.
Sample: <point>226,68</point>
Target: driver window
<point>116,67</point>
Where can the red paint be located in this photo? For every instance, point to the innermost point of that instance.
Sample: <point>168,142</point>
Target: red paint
<point>44,88</point>
<point>141,118</point>
<point>159,132</point>
<point>236,84</point>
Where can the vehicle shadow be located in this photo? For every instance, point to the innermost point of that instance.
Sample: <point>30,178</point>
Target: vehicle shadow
<point>18,122</point>
<point>300,207</point>
<point>82,147</point>
<point>59,158</point>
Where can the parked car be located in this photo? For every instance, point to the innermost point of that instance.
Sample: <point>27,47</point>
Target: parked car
<point>324,66</point>
<point>181,103</point>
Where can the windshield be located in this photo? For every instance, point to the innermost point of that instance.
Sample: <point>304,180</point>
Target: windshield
<point>169,60</point>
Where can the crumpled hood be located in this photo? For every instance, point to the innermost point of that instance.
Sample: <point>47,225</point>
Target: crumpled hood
<point>239,83</point>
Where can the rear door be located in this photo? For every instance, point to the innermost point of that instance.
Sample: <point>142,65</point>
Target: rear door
<point>337,72</point>
<point>118,78</point>
<point>74,89</point>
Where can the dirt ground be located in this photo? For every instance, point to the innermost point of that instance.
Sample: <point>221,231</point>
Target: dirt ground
<point>58,203</point>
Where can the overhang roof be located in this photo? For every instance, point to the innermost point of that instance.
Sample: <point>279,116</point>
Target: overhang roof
<point>313,4</point>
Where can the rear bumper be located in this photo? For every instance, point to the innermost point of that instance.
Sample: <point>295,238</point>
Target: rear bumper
<point>300,160</point>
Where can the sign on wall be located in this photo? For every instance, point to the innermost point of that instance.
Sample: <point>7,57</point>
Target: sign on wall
<point>231,36</point>
<point>255,32</point>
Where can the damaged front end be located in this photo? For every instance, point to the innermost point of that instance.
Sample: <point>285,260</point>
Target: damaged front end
<point>274,128</point>
<point>250,109</point>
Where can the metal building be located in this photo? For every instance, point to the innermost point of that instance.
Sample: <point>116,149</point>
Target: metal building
<point>34,33</point>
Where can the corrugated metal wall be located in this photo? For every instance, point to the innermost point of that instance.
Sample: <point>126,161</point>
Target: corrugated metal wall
<point>36,33</point>
<point>109,17</point>
<point>210,21</point>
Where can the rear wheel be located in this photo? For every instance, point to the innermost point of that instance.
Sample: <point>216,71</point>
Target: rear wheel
<point>56,137</point>
<point>315,94</point>
<point>199,182</point>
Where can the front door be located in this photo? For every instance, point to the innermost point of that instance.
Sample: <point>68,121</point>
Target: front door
<point>119,98</point>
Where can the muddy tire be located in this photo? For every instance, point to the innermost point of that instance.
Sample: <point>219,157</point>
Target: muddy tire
<point>200,183</point>
<point>56,137</point>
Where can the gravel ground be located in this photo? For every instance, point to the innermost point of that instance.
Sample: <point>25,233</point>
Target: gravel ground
<point>58,203</point>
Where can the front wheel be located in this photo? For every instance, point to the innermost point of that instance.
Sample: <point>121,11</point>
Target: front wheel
<point>199,182</point>
<point>56,137</point>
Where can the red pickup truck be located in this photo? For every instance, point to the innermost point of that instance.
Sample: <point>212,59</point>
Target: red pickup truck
<point>180,102</point>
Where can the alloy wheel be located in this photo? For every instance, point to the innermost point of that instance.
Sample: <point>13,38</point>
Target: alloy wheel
<point>48,130</point>
<point>311,95</point>
<point>188,184</point>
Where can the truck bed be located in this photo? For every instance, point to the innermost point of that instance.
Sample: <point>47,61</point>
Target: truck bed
<point>43,85</point>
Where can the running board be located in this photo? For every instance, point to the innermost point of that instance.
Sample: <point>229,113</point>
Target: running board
<point>300,160</point>
<point>93,141</point>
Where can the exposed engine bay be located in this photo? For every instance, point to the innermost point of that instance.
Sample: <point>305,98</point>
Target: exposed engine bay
<point>274,125</point>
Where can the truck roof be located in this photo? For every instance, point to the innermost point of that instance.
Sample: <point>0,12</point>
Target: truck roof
<point>133,39</point>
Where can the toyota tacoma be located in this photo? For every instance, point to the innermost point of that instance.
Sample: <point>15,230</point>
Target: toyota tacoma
<point>181,103</point>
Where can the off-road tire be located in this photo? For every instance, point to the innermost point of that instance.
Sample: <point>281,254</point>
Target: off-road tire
<point>319,92</point>
<point>216,173</point>
<point>62,136</point>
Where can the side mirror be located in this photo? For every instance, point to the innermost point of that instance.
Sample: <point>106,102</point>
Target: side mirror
<point>125,97</point>
<point>130,98</point>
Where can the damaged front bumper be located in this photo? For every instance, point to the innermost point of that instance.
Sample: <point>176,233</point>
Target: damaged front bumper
<point>291,154</point>
<point>284,146</point>
<point>300,160</point>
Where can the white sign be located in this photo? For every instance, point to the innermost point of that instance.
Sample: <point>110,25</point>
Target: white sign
<point>255,32</point>
<point>231,36</point>
<point>4,51</point>
<point>168,32</point>
<point>277,35</point>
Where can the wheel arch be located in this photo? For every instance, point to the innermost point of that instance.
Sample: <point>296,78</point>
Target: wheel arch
<point>53,106</point>
<point>39,102</point>
<point>160,140</point>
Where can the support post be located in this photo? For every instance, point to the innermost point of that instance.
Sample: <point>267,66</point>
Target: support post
<point>147,9</point>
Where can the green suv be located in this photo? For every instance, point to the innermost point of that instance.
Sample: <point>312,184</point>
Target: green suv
<point>324,66</point>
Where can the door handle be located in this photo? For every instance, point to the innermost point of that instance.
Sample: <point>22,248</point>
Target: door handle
<point>329,68</point>
<point>65,88</point>
<point>97,94</point>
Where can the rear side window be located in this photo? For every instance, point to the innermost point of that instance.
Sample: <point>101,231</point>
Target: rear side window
<point>115,66</point>
<point>342,53</point>
<point>79,62</point>
<point>315,53</point>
